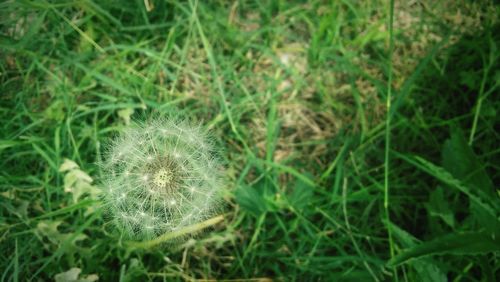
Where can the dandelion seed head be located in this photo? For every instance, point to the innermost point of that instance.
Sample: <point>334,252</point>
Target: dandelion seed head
<point>160,176</point>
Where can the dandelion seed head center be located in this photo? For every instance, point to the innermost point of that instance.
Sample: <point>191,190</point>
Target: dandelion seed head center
<point>162,177</point>
<point>166,175</point>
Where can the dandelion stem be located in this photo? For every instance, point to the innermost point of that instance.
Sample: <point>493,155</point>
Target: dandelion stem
<point>175,234</point>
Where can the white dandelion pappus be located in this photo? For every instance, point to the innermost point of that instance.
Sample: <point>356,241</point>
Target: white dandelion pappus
<point>161,176</point>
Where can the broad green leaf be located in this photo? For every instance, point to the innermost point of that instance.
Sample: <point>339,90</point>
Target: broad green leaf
<point>489,204</point>
<point>461,162</point>
<point>77,181</point>
<point>426,269</point>
<point>64,242</point>
<point>73,275</point>
<point>456,244</point>
<point>438,207</point>
<point>67,165</point>
<point>125,115</point>
<point>48,228</point>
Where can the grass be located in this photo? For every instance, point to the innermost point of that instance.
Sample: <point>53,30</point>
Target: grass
<point>360,137</point>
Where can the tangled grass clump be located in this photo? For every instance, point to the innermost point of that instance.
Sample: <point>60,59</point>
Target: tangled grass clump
<point>161,176</point>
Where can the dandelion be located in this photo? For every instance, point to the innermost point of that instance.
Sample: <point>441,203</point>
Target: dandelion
<point>161,176</point>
